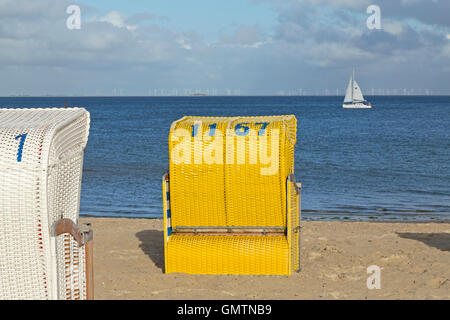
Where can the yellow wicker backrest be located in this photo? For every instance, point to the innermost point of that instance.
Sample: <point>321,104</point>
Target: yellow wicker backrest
<point>196,187</point>
<point>230,171</point>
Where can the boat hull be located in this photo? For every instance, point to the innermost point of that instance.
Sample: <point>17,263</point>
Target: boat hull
<point>356,106</point>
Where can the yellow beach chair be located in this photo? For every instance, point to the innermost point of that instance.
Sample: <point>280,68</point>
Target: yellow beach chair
<point>231,203</point>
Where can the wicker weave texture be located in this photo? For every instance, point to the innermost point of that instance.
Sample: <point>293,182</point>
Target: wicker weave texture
<point>231,171</point>
<point>240,255</point>
<point>41,159</point>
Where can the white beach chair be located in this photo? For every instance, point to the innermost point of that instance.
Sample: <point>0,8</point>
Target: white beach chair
<point>43,252</point>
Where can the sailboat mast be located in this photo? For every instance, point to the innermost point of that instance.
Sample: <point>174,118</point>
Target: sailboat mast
<point>353,85</point>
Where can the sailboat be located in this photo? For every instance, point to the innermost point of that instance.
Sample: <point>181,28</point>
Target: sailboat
<point>354,98</point>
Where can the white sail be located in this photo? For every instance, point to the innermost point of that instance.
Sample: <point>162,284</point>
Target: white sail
<point>348,92</point>
<point>354,98</point>
<point>357,93</point>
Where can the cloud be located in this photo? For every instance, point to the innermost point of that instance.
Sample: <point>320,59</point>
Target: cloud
<point>313,44</point>
<point>35,43</point>
<point>246,37</point>
<point>184,42</point>
<point>322,25</point>
<point>433,12</point>
<point>117,19</point>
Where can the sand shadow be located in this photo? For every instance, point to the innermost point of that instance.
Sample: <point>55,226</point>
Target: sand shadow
<point>440,241</point>
<point>153,246</point>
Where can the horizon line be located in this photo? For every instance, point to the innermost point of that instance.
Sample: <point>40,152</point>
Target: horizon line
<point>219,96</point>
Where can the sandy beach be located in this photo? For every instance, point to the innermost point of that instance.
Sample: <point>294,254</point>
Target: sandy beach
<point>414,259</point>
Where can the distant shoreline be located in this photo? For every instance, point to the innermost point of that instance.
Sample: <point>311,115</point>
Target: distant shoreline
<point>223,96</point>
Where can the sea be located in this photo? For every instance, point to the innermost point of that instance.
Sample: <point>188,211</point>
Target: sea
<point>388,163</point>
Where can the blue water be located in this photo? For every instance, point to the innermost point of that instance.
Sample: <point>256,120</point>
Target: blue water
<point>388,163</point>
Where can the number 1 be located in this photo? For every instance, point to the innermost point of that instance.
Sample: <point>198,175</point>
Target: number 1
<point>212,130</point>
<point>22,138</point>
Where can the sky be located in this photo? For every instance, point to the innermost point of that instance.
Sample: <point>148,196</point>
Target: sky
<point>252,47</point>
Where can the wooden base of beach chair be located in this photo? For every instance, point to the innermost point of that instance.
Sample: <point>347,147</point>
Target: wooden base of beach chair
<point>84,236</point>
